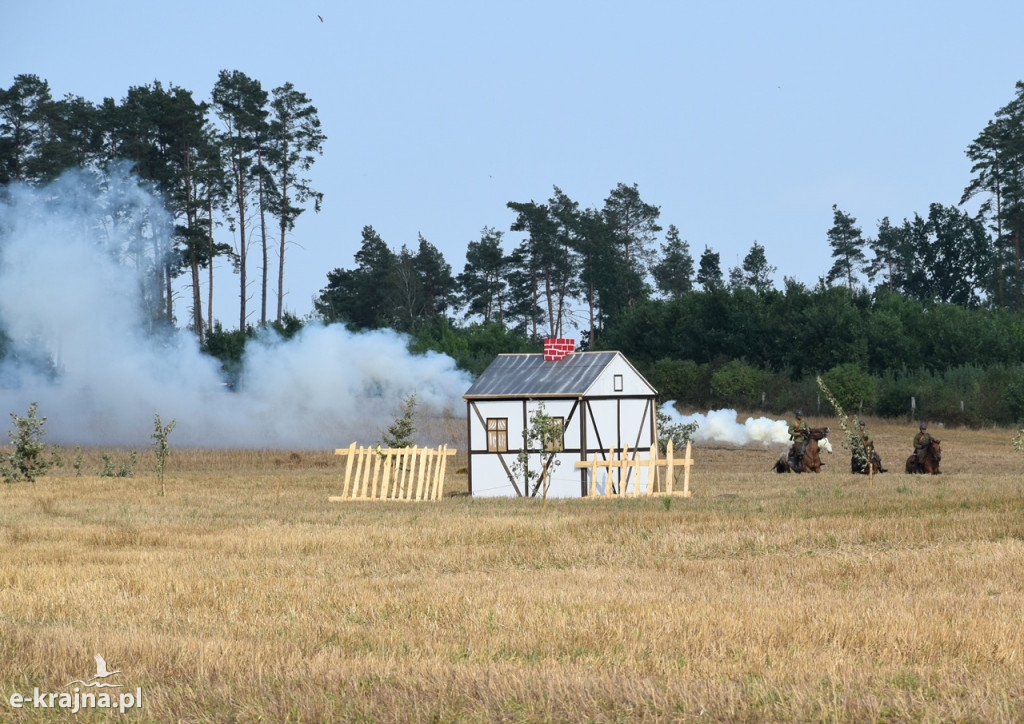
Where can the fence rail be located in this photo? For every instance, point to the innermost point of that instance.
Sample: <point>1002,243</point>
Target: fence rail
<point>629,473</point>
<point>411,473</point>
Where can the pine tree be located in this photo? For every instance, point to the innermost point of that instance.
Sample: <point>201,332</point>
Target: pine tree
<point>673,273</point>
<point>757,272</point>
<point>709,273</point>
<point>401,433</point>
<point>847,248</point>
<point>483,278</point>
<point>296,139</point>
<point>241,104</point>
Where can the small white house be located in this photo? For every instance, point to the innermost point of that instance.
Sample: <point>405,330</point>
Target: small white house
<point>604,404</point>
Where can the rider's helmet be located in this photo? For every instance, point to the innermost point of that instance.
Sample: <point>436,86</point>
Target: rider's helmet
<point>799,413</point>
<point>924,425</point>
<point>861,423</point>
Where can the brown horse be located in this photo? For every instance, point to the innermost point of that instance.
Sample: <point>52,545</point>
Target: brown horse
<point>860,465</point>
<point>932,456</point>
<point>809,462</point>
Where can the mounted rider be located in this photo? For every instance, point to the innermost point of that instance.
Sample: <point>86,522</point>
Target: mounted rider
<point>921,442</point>
<point>869,447</point>
<point>799,433</point>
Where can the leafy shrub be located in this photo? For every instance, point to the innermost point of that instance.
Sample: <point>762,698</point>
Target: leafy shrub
<point>679,379</point>
<point>1013,398</point>
<point>544,436</point>
<point>402,432</point>
<point>894,400</point>
<point>738,383</point>
<point>955,417</point>
<point>30,458</point>
<point>677,432</point>
<point>161,447</point>
<point>114,470</point>
<point>851,385</point>
<point>77,461</point>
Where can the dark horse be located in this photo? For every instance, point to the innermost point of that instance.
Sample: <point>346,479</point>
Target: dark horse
<point>809,462</point>
<point>930,463</point>
<point>860,465</point>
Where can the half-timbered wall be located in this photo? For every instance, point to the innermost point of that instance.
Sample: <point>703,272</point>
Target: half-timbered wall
<point>593,425</point>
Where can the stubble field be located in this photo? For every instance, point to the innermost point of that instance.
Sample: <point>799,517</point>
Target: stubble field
<point>244,595</point>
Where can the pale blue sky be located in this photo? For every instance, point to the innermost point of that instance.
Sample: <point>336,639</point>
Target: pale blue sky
<point>743,121</point>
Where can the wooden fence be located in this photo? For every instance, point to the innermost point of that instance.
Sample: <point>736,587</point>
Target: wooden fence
<point>411,473</point>
<point>629,473</point>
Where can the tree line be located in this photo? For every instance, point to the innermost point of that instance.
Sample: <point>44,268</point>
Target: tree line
<point>239,161</point>
<point>881,352</point>
<point>573,267</point>
<point>897,298</point>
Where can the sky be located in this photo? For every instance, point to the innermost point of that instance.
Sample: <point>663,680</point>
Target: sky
<point>743,121</point>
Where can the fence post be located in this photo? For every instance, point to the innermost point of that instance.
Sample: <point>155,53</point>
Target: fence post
<point>652,469</point>
<point>624,469</point>
<point>670,473</point>
<point>687,462</point>
<point>440,477</point>
<point>348,468</point>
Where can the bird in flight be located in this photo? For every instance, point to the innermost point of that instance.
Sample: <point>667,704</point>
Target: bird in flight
<point>321,18</point>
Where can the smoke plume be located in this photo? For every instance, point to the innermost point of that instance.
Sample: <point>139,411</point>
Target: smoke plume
<point>76,263</point>
<point>724,426</point>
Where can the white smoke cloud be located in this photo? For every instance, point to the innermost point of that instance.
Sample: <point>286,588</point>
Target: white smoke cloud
<point>68,292</point>
<point>724,426</point>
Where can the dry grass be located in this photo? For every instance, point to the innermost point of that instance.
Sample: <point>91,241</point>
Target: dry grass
<point>763,597</point>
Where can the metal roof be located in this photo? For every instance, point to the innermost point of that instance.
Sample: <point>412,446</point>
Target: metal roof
<point>529,375</point>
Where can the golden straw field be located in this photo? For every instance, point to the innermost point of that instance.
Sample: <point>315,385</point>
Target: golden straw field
<point>244,595</point>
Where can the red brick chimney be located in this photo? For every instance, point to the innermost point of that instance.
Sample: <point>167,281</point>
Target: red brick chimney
<point>556,349</point>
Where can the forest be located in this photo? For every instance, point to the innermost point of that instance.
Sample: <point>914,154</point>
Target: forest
<point>919,316</point>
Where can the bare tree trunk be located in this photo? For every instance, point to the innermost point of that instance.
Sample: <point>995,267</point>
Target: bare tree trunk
<point>242,252</point>
<point>209,292</point>
<point>590,304</point>
<point>548,299</point>
<point>197,300</point>
<point>192,224</point>
<point>263,242</point>
<point>536,303</point>
<point>168,286</point>
<point>280,255</point>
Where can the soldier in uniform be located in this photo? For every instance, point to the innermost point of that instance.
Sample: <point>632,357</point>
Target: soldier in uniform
<point>921,442</point>
<point>799,433</point>
<point>869,446</point>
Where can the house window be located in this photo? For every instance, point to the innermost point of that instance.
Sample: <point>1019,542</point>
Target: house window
<point>558,443</point>
<point>497,434</point>
<point>617,383</point>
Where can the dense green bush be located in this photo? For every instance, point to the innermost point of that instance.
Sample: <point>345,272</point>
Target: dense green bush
<point>894,393</point>
<point>679,379</point>
<point>854,389</point>
<point>738,384</point>
<point>968,396</point>
<point>955,417</point>
<point>1013,394</point>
